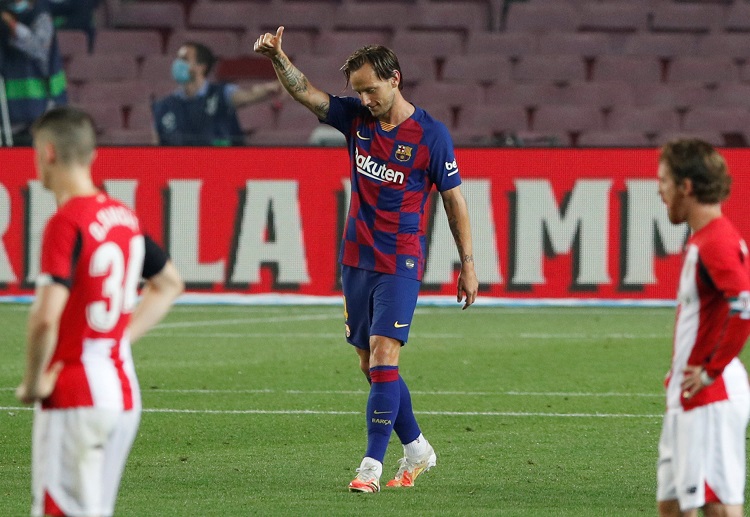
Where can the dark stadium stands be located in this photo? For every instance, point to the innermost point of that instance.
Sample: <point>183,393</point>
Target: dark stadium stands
<point>497,72</point>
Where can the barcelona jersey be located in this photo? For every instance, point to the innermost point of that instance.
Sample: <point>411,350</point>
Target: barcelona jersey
<point>392,173</point>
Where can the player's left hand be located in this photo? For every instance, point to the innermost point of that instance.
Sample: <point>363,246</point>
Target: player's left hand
<point>468,286</point>
<point>692,383</point>
<point>29,394</point>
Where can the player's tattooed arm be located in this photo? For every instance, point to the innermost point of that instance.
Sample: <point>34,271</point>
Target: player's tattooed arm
<point>291,78</point>
<point>321,110</point>
<point>295,82</point>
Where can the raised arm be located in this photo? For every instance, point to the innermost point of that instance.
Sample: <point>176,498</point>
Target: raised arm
<point>290,77</point>
<point>458,220</point>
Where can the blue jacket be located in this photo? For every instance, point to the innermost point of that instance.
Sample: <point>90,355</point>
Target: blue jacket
<point>203,120</point>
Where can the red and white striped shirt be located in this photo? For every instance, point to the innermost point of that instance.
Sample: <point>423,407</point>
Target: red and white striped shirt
<point>94,246</point>
<point>713,315</point>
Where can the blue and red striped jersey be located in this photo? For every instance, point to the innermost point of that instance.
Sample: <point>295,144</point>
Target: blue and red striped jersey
<point>392,173</point>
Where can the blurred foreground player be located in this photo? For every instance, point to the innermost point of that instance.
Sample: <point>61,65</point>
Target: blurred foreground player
<point>398,152</point>
<point>702,446</point>
<point>79,369</point>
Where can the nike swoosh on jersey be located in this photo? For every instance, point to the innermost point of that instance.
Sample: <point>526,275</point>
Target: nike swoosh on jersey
<point>362,137</point>
<point>400,325</point>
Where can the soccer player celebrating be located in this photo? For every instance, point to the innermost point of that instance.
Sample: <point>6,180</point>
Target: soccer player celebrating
<point>398,152</point>
<point>702,445</point>
<point>79,366</point>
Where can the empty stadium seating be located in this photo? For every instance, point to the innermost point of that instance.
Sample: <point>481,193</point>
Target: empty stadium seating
<point>570,72</point>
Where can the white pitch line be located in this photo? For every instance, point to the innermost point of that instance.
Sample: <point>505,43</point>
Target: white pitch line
<point>240,321</point>
<point>318,412</point>
<point>301,335</point>
<point>261,391</point>
<point>593,336</point>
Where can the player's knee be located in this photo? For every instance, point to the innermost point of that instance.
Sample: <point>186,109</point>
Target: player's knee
<point>384,350</point>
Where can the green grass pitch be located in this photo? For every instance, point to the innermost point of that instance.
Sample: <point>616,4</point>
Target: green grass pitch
<point>259,411</point>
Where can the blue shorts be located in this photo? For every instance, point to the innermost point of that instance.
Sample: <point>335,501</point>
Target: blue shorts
<point>377,304</point>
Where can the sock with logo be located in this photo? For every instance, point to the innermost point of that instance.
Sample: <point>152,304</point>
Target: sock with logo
<point>382,408</point>
<point>406,426</point>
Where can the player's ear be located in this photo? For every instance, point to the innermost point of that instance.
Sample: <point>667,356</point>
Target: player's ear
<point>50,153</point>
<point>395,79</point>
<point>687,186</point>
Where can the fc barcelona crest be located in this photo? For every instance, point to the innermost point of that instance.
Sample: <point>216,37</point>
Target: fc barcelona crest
<point>403,153</point>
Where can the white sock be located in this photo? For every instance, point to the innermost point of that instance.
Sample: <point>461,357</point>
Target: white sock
<point>417,448</point>
<point>370,462</point>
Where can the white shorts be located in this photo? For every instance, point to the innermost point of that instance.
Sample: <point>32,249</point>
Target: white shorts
<point>78,456</point>
<point>703,451</point>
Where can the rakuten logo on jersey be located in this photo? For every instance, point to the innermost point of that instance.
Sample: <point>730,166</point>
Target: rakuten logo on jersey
<point>375,170</point>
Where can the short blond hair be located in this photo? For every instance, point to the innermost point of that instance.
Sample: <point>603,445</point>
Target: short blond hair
<point>71,130</point>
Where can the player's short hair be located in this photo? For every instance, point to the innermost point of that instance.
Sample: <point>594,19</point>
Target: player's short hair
<point>383,61</point>
<point>203,55</point>
<point>699,162</point>
<point>72,132</point>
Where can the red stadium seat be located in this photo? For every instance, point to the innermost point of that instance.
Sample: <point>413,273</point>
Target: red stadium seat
<point>601,94</point>
<point>259,117</point>
<point>632,69</point>
<point>444,16</point>
<point>221,43</point>
<point>495,119</point>
<point>613,139</point>
<point>478,68</point>
<point>723,120</point>
<point>576,43</point>
<point>106,67</point>
<point>157,68</point>
<point>385,15</point>
<point>729,94</point>
<point>512,44</point>
<point>708,70</point>
<point>138,42</point>
<point>737,17</point>
<point>660,45</point>
<point>143,15</point>
<point>649,120</point>
<point>455,95</point>
<point>125,92</point>
<point>341,44</point>
<point>692,18</point>
<point>230,15</point>
<point>616,17</point>
<point>435,44</point>
<point>573,119</point>
<point>106,115</point>
<point>530,95</point>
<point>551,69</point>
<point>72,43</point>
<point>539,18</point>
<point>140,117</point>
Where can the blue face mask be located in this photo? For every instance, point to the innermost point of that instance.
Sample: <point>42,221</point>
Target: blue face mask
<point>181,71</point>
<point>20,7</point>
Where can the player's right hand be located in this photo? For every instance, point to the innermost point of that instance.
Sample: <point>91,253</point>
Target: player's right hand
<point>43,388</point>
<point>269,44</point>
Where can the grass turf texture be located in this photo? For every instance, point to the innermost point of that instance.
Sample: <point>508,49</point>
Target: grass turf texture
<point>259,411</point>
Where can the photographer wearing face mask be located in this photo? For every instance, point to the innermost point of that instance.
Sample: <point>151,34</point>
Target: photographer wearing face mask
<point>30,65</point>
<point>202,112</point>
